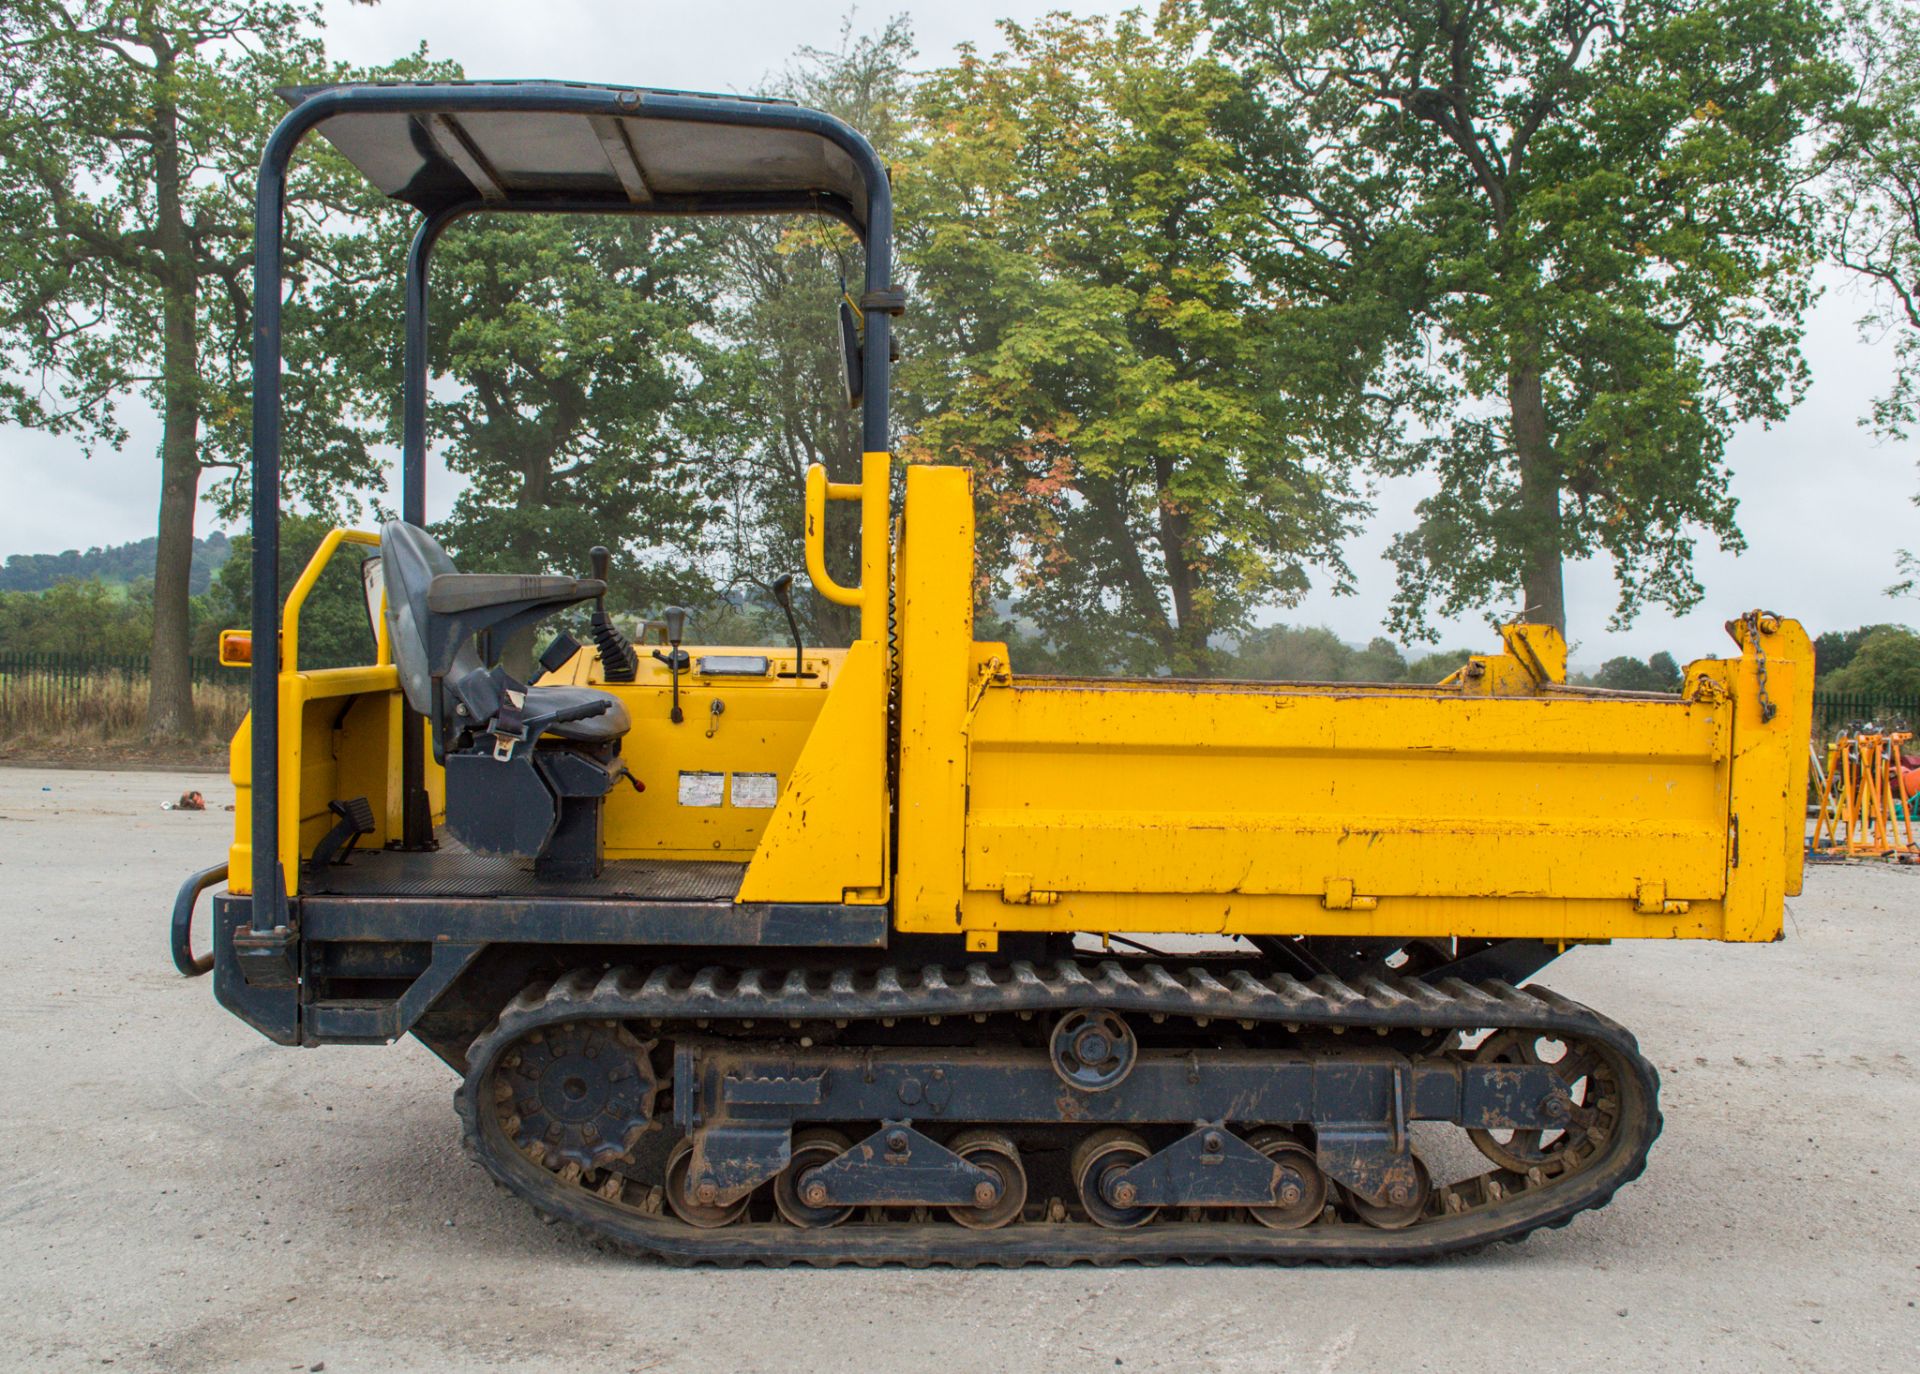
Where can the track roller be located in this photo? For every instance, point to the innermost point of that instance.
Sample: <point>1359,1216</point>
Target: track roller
<point>1301,1192</point>
<point>703,1215</point>
<point>992,1151</point>
<point>1395,1216</point>
<point>811,1149</point>
<point>1096,1160</point>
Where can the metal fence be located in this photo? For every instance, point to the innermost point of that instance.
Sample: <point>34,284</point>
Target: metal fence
<point>1837,711</point>
<point>101,691</point>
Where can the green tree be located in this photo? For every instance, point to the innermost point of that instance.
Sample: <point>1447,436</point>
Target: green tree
<point>1886,668</point>
<point>1437,666</point>
<point>783,374</point>
<point>1835,648</point>
<point>1292,653</point>
<point>1596,215</point>
<point>129,131</point>
<point>1161,435</point>
<point>1875,226</point>
<point>577,413</point>
<point>1627,674</point>
<point>1286,653</point>
<point>79,617</point>
<point>1874,230</point>
<point>335,631</point>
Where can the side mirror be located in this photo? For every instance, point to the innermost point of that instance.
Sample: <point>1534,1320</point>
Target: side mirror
<point>854,352</point>
<point>373,592</point>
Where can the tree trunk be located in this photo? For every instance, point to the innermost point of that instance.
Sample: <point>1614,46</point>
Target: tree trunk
<point>1541,584</point>
<point>1109,498</point>
<point>170,692</point>
<point>170,688</point>
<point>1190,657</point>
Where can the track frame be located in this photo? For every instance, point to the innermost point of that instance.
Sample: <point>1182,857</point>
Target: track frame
<point>1507,1209</point>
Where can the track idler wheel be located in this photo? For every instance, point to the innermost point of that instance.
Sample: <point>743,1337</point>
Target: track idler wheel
<point>1097,1162</point>
<point>707,1216</point>
<point>1592,1095</point>
<point>811,1149</point>
<point>1300,1195</point>
<point>1395,1214</point>
<point>993,1152</point>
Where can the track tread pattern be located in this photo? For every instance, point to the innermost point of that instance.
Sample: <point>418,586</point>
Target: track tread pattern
<point>712,993</point>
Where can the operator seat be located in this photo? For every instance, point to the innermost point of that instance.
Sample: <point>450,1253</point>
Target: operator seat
<point>434,614</point>
<point>527,768</point>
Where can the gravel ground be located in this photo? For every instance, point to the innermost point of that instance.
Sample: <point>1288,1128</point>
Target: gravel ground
<point>178,1194</point>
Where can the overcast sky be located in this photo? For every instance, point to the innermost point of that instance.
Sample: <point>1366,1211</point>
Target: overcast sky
<point>1823,506</point>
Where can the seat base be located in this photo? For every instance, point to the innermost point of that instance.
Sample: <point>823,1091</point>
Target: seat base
<point>544,804</point>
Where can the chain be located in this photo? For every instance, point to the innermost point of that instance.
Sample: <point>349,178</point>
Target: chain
<point>1767,707</point>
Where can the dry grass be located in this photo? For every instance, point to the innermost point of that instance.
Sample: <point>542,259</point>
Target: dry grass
<point>101,718</point>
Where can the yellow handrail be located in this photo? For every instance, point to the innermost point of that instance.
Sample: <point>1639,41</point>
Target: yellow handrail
<point>819,492</point>
<point>297,598</point>
<point>871,492</point>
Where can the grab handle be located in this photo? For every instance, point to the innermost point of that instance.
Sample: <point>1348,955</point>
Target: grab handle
<point>184,958</point>
<point>871,492</point>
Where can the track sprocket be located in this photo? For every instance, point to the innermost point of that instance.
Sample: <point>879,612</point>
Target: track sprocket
<point>580,1093</point>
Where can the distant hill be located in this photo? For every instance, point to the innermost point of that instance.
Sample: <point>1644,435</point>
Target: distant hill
<point>35,572</point>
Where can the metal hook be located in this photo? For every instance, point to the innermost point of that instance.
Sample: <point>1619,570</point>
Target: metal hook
<point>715,709</point>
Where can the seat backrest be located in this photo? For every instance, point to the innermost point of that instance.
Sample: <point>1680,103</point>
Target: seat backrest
<point>410,560</point>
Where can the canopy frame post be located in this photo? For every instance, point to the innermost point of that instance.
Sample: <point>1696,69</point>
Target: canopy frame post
<point>269,917</point>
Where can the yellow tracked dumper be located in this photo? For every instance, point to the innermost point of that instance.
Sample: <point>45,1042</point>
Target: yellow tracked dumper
<point>784,954</point>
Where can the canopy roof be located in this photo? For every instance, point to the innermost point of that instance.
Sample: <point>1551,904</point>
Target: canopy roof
<point>527,144</point>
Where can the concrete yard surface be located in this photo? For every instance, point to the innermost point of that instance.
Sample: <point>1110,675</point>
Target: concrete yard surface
<point>178,1194</point>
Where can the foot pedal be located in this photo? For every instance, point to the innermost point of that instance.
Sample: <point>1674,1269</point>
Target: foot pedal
<point>356,819</point>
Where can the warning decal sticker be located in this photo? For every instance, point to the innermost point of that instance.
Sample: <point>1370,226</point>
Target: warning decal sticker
<point>756,789</point>
<point>702,789</point>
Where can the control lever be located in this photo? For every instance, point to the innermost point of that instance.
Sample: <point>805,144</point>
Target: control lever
<point>618,661</point>
<point>783,593</point>
<point>675,658</point>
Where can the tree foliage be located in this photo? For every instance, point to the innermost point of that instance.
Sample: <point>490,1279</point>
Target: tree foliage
<point>1834,649</point>
<point>335,631</point>
<point>129,562</point>
<point>782,375</point>
<point>1288,653</point>
<point>1660,673</point>
<point>1172,285</point>
<point>1595,217</point>
<point>1161,436</point>
<point>80,617</point>
<point>1875,227</point>
<point>575,407</point>
<point>129,131</point>
<point>1885,666</point>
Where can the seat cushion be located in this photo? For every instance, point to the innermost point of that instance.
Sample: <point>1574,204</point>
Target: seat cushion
<point>610,724</point>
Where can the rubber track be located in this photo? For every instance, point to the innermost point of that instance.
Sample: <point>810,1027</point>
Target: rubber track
<point>677,995</point>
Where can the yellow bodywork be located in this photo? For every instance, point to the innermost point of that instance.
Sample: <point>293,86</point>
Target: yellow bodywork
<point>1500,803</point>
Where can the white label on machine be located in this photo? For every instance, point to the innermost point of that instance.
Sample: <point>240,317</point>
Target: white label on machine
<point>703,789</point>
<point>756,789</point>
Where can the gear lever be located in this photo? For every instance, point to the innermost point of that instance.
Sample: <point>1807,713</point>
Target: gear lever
<point>675,658</point>
<point>783,594</point>
<point>618,661</point>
